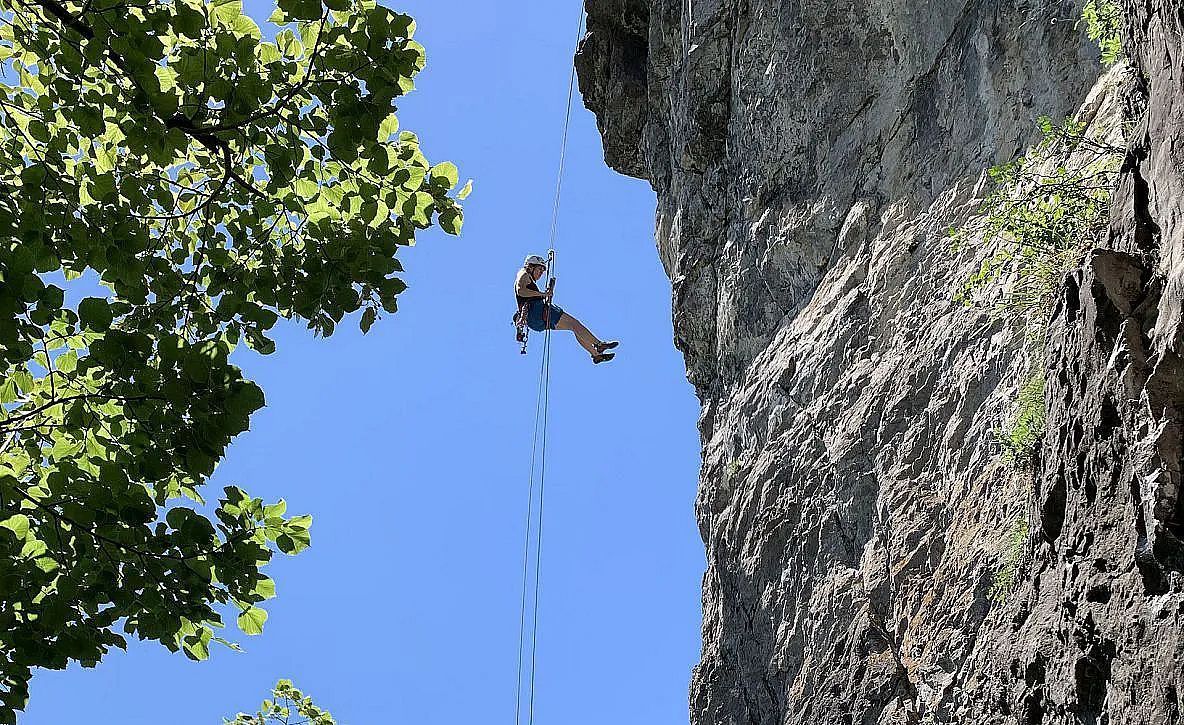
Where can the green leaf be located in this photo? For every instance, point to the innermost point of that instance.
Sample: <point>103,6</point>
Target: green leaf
<point>288,43</point>
<point>244,25</point>
<point>228,644</point>
<point>167,77</point>
<point>188,20</point>
<point>33,548</point>
<point>307,188</point>
<point>9,392</point>
<point>227,11</point>
<point>464,193</point>
<point>303,522</point>
<point>368,319</point>
<point>269,53</point>
<point>103,187</point>
<point>95,314</point>
<point>18,524</point>
<point>446,172</point>
<point>33,176</point>
<point>67,362</point>
<point>451,221</point>
<point>251,621</point>
<point>266,589</point>
<point>388,128</point>
<point>197,645</point>
<point>301,9</point>
<point>418,207</point>
<point>24,381</point>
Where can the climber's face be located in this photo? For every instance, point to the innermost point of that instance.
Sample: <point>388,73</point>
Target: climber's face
<point>536,271</point>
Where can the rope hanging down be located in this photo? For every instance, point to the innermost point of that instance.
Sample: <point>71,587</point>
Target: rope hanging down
<point>531,586</point>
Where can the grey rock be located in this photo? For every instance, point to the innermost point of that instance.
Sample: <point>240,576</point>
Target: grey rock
<point>808,157</point>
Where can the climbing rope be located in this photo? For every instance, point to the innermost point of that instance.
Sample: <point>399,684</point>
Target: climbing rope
<point>538,454</point>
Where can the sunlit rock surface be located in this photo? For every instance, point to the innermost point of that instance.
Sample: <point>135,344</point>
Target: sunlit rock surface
<point>857,507</point>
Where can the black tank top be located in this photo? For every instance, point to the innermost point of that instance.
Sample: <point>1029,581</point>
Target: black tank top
<point>526,300</point>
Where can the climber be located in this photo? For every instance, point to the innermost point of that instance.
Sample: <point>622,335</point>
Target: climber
<point>536,311</point>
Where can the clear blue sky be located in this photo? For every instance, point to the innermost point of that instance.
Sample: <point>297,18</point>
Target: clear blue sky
<point>410,448</point>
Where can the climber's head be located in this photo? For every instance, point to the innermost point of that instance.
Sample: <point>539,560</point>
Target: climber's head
<point>536,265</point>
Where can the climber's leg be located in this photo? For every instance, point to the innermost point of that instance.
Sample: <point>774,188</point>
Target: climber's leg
<point>585,337</point>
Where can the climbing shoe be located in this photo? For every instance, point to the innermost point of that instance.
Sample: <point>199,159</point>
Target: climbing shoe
<point>602,357</point>
<point>606,346</point>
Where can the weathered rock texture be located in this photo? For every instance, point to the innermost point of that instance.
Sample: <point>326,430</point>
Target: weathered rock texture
<point>856,506</point>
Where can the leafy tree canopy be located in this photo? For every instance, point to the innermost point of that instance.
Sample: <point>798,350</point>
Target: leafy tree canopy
<point>207,181</point>
<point>287,706</point>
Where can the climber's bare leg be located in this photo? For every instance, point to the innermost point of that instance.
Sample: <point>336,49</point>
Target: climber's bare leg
<point>586,339</point>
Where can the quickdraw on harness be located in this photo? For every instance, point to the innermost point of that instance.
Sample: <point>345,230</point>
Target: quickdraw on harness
<point>522,316</point>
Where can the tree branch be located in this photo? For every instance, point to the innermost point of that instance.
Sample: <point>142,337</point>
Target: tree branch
<point>56,9</point>
<point>71,398</point>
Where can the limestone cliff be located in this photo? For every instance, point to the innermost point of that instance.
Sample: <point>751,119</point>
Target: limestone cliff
<point>808,157</point>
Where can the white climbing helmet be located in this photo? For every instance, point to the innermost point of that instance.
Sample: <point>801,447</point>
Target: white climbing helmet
<point>533,260</point>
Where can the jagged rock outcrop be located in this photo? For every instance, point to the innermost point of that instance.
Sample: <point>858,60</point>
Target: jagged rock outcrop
<point>857,509</point>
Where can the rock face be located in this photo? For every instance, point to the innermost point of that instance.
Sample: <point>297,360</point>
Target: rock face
<point>874,557</point>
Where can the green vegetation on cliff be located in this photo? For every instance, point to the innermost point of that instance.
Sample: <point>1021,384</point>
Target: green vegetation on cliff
<point>1103,23</point>
<point>1045,211</point>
